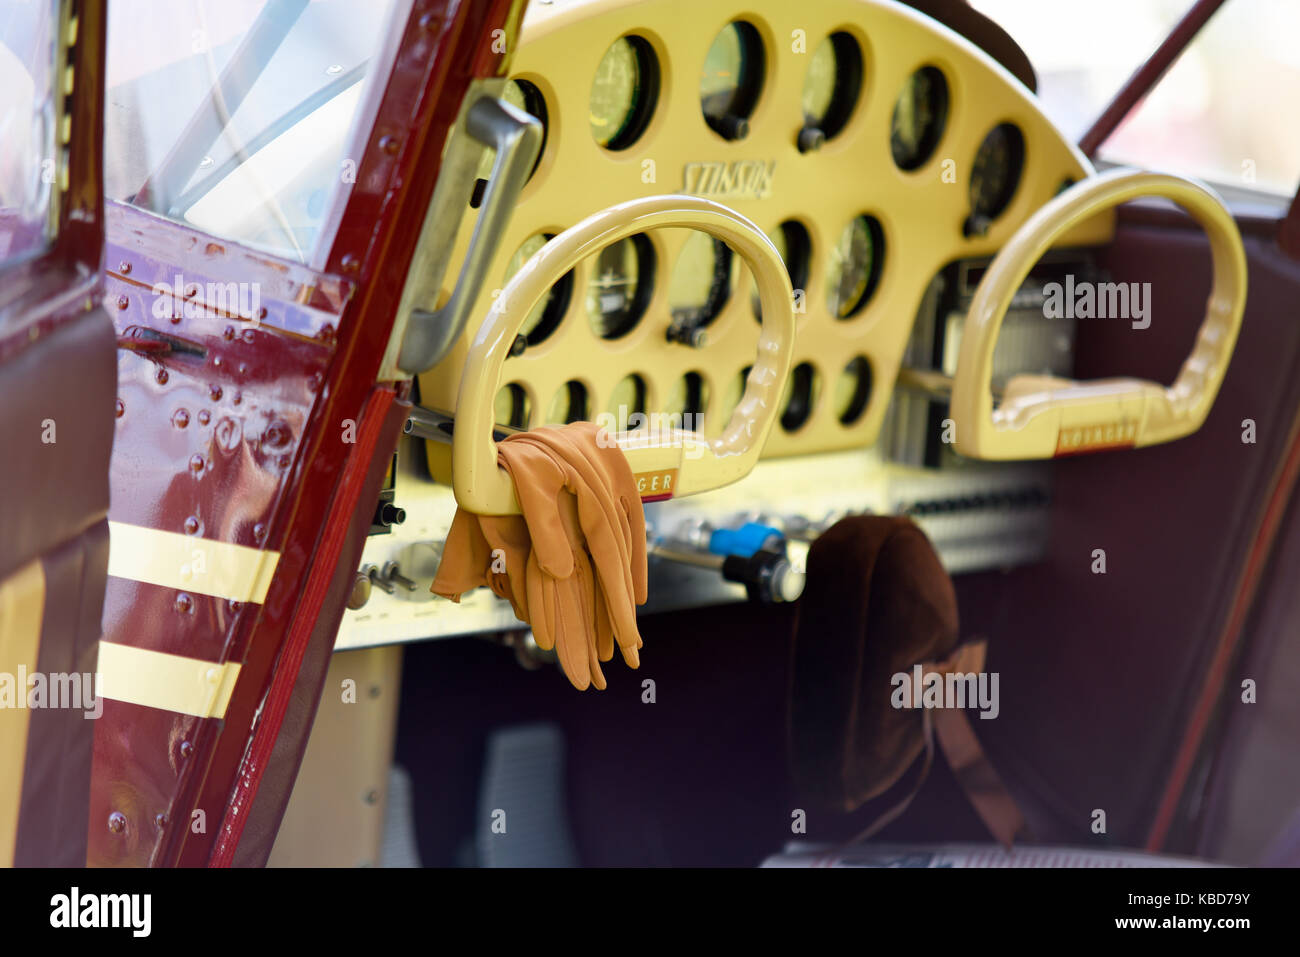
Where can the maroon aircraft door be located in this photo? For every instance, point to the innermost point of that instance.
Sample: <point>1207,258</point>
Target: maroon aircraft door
<point>269,167</point>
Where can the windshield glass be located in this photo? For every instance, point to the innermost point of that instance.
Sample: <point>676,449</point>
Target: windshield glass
<point>234,115</point>
<point>1224,112</point>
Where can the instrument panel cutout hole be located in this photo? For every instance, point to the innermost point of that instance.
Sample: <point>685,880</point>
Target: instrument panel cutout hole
<point>793,242</point>
<point>690,399</point>
<point>624,93</point>
<point>702,279</point>
<point>628,399</point>
<point>855,266</point>
<point>569,404</point>
<point>920,118</point>
<point>831,89</point>
<point>800,397</point>
<point>514,407</point>
<point>994,177</point>
<point>545,317</point>
<point>620,286</point>
<point>853,390</point>
<point>731,81</point>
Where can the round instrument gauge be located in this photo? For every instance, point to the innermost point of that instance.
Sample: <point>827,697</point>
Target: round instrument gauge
<point>994,176</point>
<point>623,93</point>
<point>619,286</point>
<point>854,268</point>
<point>546,315</point>
<point>830,89</point>
<point>920,115</point>
<point>701,281</point>
<point>513,406</point>
<point>626,400</point>
<point>732,79</point>
<point>792,241</point>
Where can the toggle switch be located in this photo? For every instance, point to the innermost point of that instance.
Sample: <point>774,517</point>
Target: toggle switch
<point>372,572</point>
<point>391,573</point>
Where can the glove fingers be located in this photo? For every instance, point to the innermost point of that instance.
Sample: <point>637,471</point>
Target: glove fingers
<point>539,617</point>
<point>639,566</point>
<point>613,582</point>
<point>612,552</point>
<point>614,531</point>
<point>610,512</point>
<point>632,525</point>
<point>631,654</point>
<point>619,610</point>
<point>508,567</point>
<point>606,612</point>
<point>539,481</point>
<point>571,632</point>
<point>604,627</point>
<point>623,514</point>
<point>575,563</point>
<point>584,593</point>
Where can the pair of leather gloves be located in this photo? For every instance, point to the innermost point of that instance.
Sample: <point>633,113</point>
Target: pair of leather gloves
<point>573,565</point>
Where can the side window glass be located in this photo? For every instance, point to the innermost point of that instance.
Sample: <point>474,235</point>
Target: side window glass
<point>234,116</point>
<point>28,121</point>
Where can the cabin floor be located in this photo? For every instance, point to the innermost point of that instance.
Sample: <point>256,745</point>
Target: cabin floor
<point>698,777</point>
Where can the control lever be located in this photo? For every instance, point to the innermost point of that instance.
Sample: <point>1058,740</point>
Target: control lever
<point>516,139</point>
<point>766,572</point>
<point>438,426</point>
<point>767,575</point>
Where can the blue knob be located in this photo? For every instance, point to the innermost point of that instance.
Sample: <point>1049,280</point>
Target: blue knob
<point>743,541</point>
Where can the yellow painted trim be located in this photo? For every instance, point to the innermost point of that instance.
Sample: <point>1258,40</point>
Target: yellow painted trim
<point>22,609</point>
<point>186,563</point>
<point>156,679</point>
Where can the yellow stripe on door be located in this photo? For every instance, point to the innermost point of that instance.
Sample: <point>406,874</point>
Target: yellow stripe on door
<point>156,679</point>
<point>186,563</point>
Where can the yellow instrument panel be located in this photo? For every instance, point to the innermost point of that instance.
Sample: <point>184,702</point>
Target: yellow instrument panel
<point>873,145</point>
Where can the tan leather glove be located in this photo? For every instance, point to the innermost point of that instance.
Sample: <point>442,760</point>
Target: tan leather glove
<point>574,562</point>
